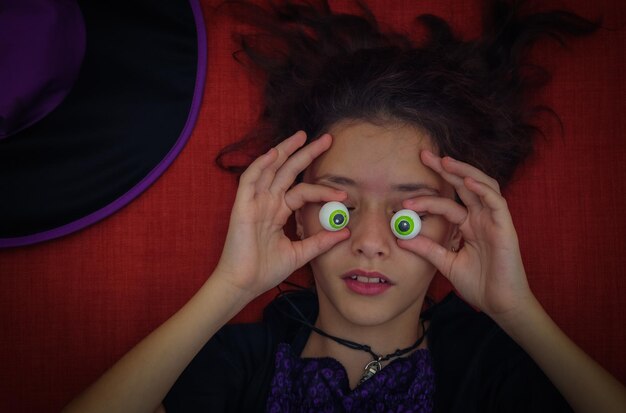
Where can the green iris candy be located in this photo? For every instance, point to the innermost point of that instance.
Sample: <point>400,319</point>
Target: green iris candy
<point>334,216</point>
<point>406,224</point>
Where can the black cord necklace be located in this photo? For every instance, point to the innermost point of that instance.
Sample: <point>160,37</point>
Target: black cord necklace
<point>372,367</point>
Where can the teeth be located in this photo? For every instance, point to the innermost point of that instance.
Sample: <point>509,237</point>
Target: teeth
<point>363,279</point>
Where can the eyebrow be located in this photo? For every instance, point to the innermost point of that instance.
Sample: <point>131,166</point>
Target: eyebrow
<point>404,187</point>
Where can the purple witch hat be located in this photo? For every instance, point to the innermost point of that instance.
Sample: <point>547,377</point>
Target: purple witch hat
<point>97,98</point>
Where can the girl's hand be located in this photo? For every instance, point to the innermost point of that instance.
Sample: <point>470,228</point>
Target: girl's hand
<point>257,254</point>
<point>488,270</point>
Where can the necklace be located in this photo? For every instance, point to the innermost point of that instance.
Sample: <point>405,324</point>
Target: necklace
<point>372,367</point>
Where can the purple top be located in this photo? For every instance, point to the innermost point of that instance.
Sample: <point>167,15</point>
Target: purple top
<point>321,385</point>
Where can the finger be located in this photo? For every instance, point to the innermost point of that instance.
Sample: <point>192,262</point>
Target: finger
<point>448,208</point>
<point>434,162</point>
<point>317,244</point>
<point>285,149</point>
<point>303,193</point>
<point>437,255</point>
<point>437,164</point>
<point>248,179</point>
<point>287,174</point>
<point>463,169</point>
<point>492,200</point>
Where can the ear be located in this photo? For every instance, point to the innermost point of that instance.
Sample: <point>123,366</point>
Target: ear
<point>456,237</point>
<point>299,227</point>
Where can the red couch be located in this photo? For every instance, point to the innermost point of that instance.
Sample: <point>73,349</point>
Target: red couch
<point>70,307</point>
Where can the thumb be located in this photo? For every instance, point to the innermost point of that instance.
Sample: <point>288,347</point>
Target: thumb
<point>317,244</point>
<point>433,252</point>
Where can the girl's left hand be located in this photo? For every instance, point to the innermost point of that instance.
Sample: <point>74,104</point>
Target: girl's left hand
<point>489,274</point>
<point>488,270</point>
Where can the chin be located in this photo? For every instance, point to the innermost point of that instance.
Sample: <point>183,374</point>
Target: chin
<point>368,312</point>
<point>367,319</point>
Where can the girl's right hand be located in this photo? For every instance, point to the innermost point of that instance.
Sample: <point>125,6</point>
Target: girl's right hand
<point>257,254</point>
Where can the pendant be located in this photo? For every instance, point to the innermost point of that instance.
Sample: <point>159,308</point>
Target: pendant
<point>370,369</point>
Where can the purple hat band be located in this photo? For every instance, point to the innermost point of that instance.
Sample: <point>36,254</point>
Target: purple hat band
<point>42,44</point>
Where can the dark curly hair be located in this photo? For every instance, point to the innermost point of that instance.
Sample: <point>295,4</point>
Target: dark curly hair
<point>472,97</point>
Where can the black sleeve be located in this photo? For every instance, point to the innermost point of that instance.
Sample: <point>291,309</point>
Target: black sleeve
<point>234,370</point>
<point>219,377</point>
<point>479,368</point>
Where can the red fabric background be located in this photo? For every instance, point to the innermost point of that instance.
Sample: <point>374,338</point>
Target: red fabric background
<point>70,307</point>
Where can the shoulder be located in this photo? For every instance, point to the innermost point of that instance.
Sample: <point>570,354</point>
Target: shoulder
<point>240,346</point>
<point>479,367</point>
<point>457,330</point>
<point>233,371</point>
<point>221,372</point>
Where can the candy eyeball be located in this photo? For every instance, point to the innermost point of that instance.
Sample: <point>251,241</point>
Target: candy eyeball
<point>334,216</point>
<point>406,224</point>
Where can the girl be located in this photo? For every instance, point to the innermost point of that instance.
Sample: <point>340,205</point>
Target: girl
<point>387,126</point>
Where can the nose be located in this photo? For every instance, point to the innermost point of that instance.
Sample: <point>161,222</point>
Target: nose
<point>371,236</point>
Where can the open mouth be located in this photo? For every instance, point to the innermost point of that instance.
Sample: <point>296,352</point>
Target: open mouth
<point>368,280</point>
<point>367,277</point>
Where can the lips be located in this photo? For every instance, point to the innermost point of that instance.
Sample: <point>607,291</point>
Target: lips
<point>366,282</point>
<point>367,277</point>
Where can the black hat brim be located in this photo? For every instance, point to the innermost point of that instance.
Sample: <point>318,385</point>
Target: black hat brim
<point>126,119</point>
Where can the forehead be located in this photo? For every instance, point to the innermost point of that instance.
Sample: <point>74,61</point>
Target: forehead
<point>375,154</point>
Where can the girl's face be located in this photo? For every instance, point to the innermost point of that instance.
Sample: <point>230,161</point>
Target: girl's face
<point>378,167</point>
